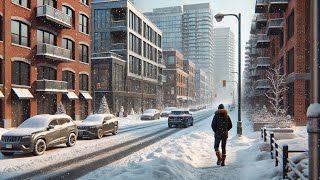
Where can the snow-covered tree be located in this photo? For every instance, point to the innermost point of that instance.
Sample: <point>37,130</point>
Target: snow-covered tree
<point>61,109</point>
<point>278,87</point>
<point>132,112</point>
<point>104,108</point>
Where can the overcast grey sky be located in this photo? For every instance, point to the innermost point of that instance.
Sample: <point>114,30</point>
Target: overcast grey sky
<point>245,7</point>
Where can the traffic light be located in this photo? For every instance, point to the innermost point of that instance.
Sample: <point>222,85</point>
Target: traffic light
<point>224,83</point>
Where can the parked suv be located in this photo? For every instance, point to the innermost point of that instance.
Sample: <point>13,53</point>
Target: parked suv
<point>180,118</point>
<point>38,133</point>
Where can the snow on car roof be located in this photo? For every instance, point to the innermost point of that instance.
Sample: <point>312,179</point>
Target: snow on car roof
<point>41,120</point>
<point>101,115</point>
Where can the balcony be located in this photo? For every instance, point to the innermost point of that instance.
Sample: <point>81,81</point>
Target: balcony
<point>253,27</point>
<point>261,6</point>
<point>275,26</point>
<point>263,41</point>
<point>253,52</point>
<point>52,14</point>
<point>277,6</point>
<point>254,73</point>
<point>261,21</point>
<point>262,84</point>
<point>120,23</point>
<point>52,86</point>
<point>54,52</point>
<point>263,62</point>
<point>118,46</point>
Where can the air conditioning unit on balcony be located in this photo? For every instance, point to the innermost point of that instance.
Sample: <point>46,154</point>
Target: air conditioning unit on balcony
<point>98,85</point>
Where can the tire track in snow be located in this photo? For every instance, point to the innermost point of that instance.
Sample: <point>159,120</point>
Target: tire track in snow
<point>79,166</point>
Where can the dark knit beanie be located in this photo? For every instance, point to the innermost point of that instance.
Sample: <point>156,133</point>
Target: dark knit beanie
<point>221,106</point>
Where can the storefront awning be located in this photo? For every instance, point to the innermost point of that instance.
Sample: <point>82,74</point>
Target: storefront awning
<point>86,95</point>
<point>22,93</point>
<point>72,95</point>
<point>1,95</point>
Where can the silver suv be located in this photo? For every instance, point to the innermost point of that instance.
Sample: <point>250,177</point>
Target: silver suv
<point>38,133</point>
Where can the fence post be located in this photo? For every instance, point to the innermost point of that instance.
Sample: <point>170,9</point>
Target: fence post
<point>271,142</point>
<point>284,160</point>
<point>277,153</point>
<point>265,135</point>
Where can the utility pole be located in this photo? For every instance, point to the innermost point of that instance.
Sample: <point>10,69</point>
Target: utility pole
<point>314,108</point>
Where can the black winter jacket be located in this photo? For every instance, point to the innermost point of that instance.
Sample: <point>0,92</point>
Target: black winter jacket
<point>221,124</point>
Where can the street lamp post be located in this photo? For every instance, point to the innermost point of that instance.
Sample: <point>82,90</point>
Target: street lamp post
<point>219,18</point>
<point>314,109</point>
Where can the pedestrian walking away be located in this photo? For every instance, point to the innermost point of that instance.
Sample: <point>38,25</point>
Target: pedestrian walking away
<point>221,124</point>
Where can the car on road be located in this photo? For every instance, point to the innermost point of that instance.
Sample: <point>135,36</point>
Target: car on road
<point>38,133</point>
<point>150,114</point>
<point>166,111</point>
<point>97,125</point>
<point>180,118</point>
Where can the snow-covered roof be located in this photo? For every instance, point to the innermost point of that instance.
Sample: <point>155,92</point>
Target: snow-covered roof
<point>71,95</point>
<point>41,120</point>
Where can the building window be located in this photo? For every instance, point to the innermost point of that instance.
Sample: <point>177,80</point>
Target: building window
<point>85,2</point>
<point>171,60</point>
<point>83,108</point>
<point>67,10</point>
<point>68,76</point>
<point>69,106</point>
<point>281,39</point>
<point>46,37</point>
<point>84,24</point>
<point>20,73</point>
<point>68,44</point>
<point>1,28</point>
<point>290,62</point>
<point>45,72</point>
<point>47,103</point>
<point>84,82</point>
<point>291,99</point>
<point>101,73</point>
<point>290,22</point>
<point>24,3</point>
<point>20,33</point>
<point>83,53</point>
<point>20,110</point>
<point>51,3</point>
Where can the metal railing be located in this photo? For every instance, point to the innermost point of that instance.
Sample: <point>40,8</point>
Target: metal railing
<point>278,1</point>
<point>281,155</point>
<point>275,23</point>
<point>119,23</point>
<point>262,84</point>
<point>263,37</point>
<point>54,13</point>
<point>263,61</point>
<point>261,17</point>
<point>118,46</point>
<point>261,2</point>
<point>54,52</point>
<point>52,85</point>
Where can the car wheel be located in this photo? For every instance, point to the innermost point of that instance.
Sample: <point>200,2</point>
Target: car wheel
<point>40,147</point>
<point>99,133</point>
<point>72,139</point>
<point>7,153</point>
<point>115,130</point>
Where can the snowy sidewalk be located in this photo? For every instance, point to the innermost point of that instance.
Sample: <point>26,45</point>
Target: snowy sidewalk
<point>189,154</point>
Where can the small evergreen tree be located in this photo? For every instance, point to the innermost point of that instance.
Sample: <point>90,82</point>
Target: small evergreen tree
<point>61,109</point>
<point>104,108</point>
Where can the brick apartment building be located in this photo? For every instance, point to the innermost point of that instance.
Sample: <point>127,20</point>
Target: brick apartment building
<point>190,68</point>
<point>44,53</point>
<point>281,35</point>
<point>175,89</point>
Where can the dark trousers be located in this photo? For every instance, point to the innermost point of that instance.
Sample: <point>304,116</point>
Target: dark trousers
<point>217,141</point>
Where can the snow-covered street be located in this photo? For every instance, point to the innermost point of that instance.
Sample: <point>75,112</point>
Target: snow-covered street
<point>186,154</point>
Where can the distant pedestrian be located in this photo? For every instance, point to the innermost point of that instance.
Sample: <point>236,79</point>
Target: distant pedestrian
<point>221,124</point>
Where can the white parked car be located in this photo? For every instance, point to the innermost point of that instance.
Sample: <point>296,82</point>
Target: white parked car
<point>150,114</point>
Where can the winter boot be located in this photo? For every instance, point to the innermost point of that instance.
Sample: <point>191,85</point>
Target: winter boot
<point>223,159</point>
<point>218,153</point>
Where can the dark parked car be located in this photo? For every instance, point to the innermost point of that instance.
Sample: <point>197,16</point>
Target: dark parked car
<point>97,125</point>
<point>180,118</point>
<point>150,114</point>
<point>166,111</point>
<point>38,133</point>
